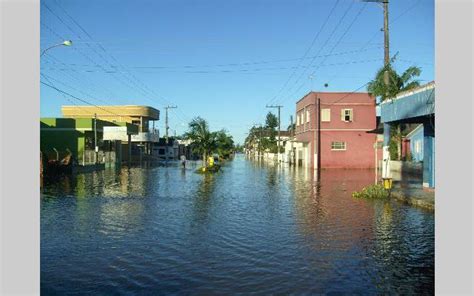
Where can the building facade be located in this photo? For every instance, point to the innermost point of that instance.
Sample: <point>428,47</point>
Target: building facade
<point>60,136</point>
<point>346,119</point>
<point>142,116</point>
<point>415,106</point>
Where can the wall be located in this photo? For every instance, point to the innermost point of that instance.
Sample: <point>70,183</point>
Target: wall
<point>414,138</point>
<point>360,151</point>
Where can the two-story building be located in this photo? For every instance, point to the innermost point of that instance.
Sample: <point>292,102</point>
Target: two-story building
<point>142,116</point>
<point>346,118</point>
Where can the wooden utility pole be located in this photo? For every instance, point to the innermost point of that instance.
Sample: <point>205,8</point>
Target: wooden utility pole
<point>96,149</point>
<point>386,42</point>
<point>319,138</point>
<point>278,107</point>
<point>291,140</point>
<point>166,121</point>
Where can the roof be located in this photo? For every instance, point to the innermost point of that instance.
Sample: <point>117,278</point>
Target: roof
<point>348,93</point>
<point>111,111</point>
<point>429,85</point>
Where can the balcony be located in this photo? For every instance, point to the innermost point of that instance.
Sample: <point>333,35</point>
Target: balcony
<point>151,136</point>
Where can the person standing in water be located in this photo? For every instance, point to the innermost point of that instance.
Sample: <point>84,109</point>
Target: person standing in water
<point>183,161</point>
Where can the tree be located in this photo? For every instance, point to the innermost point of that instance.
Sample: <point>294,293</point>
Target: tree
<point>204,142</point>
<point>271,121</point>
<point>397,84</point>
<point>270,142</point>
<point>224,144</point>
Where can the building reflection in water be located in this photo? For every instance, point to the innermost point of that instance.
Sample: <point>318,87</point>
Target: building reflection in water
<point>331,221</point>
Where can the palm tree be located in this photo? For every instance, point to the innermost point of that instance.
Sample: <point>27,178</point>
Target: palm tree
<point>397,83</point>
<point>204,142</point>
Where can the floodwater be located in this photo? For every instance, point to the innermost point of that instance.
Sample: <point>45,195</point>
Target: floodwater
<point>252,227</point>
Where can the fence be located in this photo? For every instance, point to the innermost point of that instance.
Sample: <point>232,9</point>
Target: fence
<point>88,157</point>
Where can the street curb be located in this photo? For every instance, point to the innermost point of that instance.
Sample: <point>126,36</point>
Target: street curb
<point>413,201</point>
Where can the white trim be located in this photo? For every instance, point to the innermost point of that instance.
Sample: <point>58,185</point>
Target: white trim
<point>348,104</point>
<point>414,130</point>
<point>335,129</point>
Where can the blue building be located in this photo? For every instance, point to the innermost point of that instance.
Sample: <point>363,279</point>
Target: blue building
<point>416,137</point>
<point>415,106</point>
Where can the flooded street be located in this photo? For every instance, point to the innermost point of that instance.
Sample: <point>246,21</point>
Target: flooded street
<point>252,227</point>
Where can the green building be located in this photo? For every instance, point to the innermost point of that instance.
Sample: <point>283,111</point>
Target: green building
<point>60,135</point>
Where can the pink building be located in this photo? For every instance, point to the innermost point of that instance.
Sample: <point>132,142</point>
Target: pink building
<point>345,120</point>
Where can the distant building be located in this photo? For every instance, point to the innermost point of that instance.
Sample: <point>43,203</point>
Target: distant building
<point>346,119</point>
<point>166,150</point>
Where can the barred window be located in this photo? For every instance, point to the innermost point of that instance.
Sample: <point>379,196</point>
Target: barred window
<point>338,145</point>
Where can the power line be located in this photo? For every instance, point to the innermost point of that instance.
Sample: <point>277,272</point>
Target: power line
<point>229,71</point>
<point>307,51</point>
<point>324,44</point>
<point>143,86</point>
<point>335,45</point>
<point>79,99</point>
<point>229,64</point>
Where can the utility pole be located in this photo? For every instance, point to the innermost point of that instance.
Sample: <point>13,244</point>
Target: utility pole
<point>166,121</point>
<point>386,43</point>
<point>385,30</point>
<point>96,149</point>
<point>291,141</point>
<point>278,107</point>
<point>319,138</point>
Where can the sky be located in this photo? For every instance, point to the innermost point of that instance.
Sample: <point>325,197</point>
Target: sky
<point>222,60</point>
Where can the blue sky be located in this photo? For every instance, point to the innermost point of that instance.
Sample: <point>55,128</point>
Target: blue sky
<point>223,60</point>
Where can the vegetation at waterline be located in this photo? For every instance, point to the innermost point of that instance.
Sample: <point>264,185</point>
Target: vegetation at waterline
<point>208,143</point>
<point>372,192</point>
<point>397,83</point>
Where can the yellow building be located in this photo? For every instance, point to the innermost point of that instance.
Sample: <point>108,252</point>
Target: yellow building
<point>138,115</point>
<point>142,116</point>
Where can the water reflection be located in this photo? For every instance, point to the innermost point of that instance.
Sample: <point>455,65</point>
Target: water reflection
<point>252,227</point>
<point>203,199</point>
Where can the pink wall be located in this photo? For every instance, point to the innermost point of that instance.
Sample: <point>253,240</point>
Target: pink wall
<point>359,151</point>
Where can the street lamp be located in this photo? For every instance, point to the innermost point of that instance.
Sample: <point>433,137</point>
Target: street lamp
<point>64,43</point>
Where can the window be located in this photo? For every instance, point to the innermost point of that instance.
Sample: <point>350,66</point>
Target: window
<point>325,115</point>
<point>307,115</point>
<point>297,119</point>
<point>338,145</point>
<point>346,115</point>
<point>418,146</point>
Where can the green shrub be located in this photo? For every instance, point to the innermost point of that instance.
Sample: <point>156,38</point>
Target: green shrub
<point>372,192</point>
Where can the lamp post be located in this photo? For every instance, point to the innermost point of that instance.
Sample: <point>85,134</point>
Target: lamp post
<point>64,43</point>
